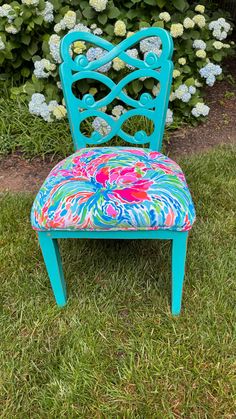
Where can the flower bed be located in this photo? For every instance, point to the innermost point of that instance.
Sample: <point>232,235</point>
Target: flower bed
<point>31,30</point>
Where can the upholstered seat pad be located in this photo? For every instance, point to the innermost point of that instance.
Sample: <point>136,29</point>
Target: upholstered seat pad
<point>114,188</point>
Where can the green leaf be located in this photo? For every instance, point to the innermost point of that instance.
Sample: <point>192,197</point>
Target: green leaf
<point>150,2</point>
<point>132,13</point>
<point>29,88</point>
<point>26,56</point>
<point>136,86</point>
<point>217,56</point>
<point>113,13</point>
<point>186,69</point>
<point>33,48</point>
<point>190,82</point>
<point>102,18</point>
<point>38,20</point>
<point>144,25</point>
<point>18,22</point>
<point>89,13</point>
<point>180,5</point>
<point>41,5</point>
<point>15,91</point>
<point>149,83</point>
<point>160,3</point>
<point>109,29</point>
<point>25,72</point>
<point>25,39</point>
<point>83,87</point>
<point>159,24</point>
<point>83,4</point>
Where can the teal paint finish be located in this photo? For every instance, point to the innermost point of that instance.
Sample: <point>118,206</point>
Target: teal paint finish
<point>53,264</point>
<point>179,249</point>
<point>159,68</point>
<point>155,109</point>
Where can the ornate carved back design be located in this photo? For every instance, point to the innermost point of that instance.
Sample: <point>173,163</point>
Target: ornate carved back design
<point>154,108</point>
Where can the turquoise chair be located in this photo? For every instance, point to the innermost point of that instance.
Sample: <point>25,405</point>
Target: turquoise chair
<point>115,192</point>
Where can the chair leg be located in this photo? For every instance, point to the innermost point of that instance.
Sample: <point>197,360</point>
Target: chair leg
<point>179,249</point>
<point>53,264</point>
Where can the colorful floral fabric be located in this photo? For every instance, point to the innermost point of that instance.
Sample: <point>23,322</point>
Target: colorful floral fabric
<point>114,188</point>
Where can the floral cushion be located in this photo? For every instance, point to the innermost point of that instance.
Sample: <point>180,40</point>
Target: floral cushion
<point>114,188</point>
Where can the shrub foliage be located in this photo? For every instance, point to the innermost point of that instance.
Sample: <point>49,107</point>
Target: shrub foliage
<point>30,33</point>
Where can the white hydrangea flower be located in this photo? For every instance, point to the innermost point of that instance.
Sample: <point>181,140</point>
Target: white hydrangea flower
<point>118,110</point>
<point>220,28</point>
<point>200,109</point>
<point>7,11</point>
<point>176,73</point>
<point>57,28</point>
<point>54,46</point>
<point>209,72</point>
<point>101,126</point>
<point>197,83</point>
<point>98,31</point>
<point>52,105</point>
<point>118,64</point>
<point>156,90</point>
<point>40,66</point>
<point>98,5</point>
<point>11,29</point>
<point>218,45</point>
<point>59,112</point>
<point>192,90</point>
<point>199,20</point>
<point>129,34</point>
<point>200,8</point>
<point>30,2</point>
<point>133,53</point>
<point>200,53</point>
<point>182,61</point>
<point>199,44</point>
<point>67,22</point>
<point>152,44</point>
<point>79,47</point>
<point>188,23</point>
<point>184,93</point>
<point>169,117</point>
<point>38,106</point>
<point>70,19</point>
<point>47,12</point>
<point>165,16</point>
<point>172,97</point>
<point>176,30</point>
<point>120,28</point>
<point>2,45</point>
<point>96,53</point>
<point>181,90</point>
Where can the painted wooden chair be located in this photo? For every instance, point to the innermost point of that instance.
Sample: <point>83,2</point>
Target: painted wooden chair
<point>115,192</point>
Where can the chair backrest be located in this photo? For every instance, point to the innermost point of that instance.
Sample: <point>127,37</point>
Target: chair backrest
<point>77,69</point>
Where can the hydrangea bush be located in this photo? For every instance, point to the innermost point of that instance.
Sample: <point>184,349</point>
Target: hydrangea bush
<point>31,30</point>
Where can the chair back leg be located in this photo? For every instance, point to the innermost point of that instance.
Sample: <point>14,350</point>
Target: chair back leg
<point>52,259</point>
<point>179,249</point>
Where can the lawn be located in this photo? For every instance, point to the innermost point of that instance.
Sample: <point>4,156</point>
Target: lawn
<point>115,351</point>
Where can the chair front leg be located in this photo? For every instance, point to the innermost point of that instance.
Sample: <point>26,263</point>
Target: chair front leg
<point>179,249</point>
<point>53,264</point>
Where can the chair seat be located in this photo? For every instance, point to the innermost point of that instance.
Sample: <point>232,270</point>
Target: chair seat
<point>114,188</point>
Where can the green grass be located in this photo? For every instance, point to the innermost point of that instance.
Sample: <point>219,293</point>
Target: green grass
<point>115,351</point>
